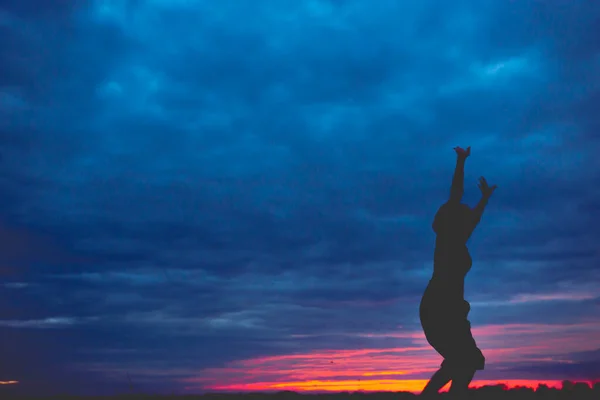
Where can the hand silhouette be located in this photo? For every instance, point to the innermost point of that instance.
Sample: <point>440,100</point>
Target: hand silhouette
<point>486,190</point>
<point>462,152</point>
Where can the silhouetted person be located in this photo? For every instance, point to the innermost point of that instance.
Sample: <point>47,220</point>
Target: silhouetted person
<point>443,310</point>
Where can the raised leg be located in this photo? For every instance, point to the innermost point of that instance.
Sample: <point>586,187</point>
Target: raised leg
<point>441,377</point>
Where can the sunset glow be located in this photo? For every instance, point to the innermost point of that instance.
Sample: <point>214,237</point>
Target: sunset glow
<point>399,368</point>
<point>373,385</point>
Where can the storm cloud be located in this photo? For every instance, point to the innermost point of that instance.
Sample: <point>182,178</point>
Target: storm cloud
<point>188,188</point>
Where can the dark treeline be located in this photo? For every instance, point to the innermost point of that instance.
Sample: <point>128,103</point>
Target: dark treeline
<point>570,390</point>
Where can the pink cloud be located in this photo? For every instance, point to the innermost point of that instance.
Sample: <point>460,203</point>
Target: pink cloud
<point>398,368</point>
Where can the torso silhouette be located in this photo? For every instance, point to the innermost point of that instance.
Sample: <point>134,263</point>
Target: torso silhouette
<point>453,225</point>
<point>451,264</point>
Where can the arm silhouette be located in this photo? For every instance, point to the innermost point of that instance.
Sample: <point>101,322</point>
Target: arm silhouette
<point>486,193</point>
<point>478,210</point>
<point>458,180</point>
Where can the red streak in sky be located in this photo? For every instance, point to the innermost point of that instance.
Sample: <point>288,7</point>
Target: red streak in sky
<point>390,385</point>
<point>402,368</point>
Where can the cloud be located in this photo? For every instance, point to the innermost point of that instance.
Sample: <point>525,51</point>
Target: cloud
<point>258,180</point>
<point>44,323</point>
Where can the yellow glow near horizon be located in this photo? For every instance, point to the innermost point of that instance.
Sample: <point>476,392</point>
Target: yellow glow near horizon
<point>391,385</point>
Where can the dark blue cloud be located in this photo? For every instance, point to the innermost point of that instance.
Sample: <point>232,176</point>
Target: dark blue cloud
<point>581,365</point>
<point>199,183</point>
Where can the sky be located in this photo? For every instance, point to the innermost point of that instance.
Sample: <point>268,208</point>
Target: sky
<point>238,195</point>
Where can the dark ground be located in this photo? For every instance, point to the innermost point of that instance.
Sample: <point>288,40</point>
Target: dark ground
<point>569,390</point>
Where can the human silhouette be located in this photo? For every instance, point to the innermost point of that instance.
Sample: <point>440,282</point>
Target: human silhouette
<point>443,310</point>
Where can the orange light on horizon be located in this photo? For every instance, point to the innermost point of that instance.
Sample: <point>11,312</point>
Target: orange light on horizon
<point>8,382</point>
<point>395,368</point>
<point>376,385</point>
<point>382,385</point>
